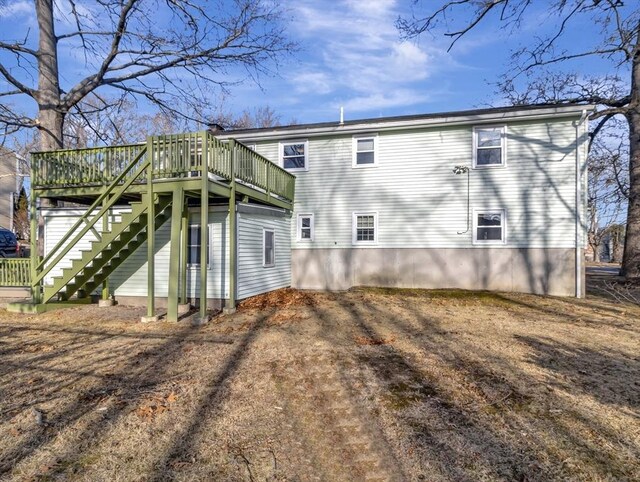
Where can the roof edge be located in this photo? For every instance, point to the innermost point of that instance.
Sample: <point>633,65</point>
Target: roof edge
<point>492,114</point>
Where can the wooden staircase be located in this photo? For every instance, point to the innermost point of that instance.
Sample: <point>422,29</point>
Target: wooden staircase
<point>95,264</point>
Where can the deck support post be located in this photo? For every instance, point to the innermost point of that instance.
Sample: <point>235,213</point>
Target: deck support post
<point>184,231</point>
<point>233,235</point>
<point>33,243</point>
<point>151,274</point>
<point>174,256</point>
<point>105,227</point>
<point>204,227</point>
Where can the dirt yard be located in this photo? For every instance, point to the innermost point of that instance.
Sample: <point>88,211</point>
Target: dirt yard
<point>301,386</point>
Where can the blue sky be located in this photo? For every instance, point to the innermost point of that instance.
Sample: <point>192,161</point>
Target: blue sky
<point>351,55</point>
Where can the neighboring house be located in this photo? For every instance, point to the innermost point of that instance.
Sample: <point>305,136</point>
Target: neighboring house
<point>484,199</point>
<point>8,187</point>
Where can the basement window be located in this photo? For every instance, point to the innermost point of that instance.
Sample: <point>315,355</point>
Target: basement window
<point>268,248</point>
<point>193,246</point>
<point>305,227</point>
<point>489,226</point>
<point>365,151</point>
<point>293,155</point>
<point>365,228</point>
<point>489,146</point>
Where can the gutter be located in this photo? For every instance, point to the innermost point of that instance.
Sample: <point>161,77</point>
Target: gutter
<point>579,207</point>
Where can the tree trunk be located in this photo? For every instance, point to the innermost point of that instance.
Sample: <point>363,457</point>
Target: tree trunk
<point>631,256</point>
<point>50,114</point>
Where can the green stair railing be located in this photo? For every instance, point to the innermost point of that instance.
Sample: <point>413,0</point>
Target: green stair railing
<point>106,200</point>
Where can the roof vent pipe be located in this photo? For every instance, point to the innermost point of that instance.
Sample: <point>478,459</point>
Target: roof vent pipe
<point>341,115</point>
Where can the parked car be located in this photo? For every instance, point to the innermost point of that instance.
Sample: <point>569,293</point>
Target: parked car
<point>8,244</point>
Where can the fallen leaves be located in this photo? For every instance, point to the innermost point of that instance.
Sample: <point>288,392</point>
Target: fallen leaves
<point>280,299</point>
<point>155,405</point>
<point>372,341</point>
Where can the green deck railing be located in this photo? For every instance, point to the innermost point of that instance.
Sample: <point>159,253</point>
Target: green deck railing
<point>15,272</point>
<point>98,165</point>
<point>172,156</point>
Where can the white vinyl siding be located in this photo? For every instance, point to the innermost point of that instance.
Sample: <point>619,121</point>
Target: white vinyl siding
<point>130,279</point>
<point>423,203</point>
<point>57,224</point>
<point>253,277</point>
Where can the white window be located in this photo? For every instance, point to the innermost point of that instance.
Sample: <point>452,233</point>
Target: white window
<point>268,248</point>
<point>365,228</point>
<point>305,227</point>
<point>293,155</point>
<point>365,151</point>
<point>489,226</point>
<point>489,146</point>
<point>193,245</point>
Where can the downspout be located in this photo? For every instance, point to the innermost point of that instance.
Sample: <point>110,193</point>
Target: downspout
<point>579,206</point>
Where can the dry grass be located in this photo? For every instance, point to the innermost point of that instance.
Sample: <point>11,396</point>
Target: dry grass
<point>393,384</point>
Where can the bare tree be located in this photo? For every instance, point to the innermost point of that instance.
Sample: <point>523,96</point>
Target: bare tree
<point>161,51</point>
<point>99,121</point>
<point>543,67</point>
<point>263,116</point>
<point>608,189</point>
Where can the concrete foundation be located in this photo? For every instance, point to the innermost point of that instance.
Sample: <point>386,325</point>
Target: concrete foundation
<point>106,303</point>
<point>149,319</point>
<point>527,270</point>
<point>214,304</point>
<point>197,321</point>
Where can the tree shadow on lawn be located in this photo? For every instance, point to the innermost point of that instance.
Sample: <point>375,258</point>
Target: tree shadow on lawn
<point>610,376</point>
<point>479,430</point>
<point>116,370</point>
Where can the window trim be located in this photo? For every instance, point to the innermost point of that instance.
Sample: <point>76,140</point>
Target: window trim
<point>209,244</point>
<point>264,247</point>
<point>306,154</point>
<point>354,228</point>
<point>490,242</point>
<point>299,228</point>
<point>503,146</point>
<point>354,150</point>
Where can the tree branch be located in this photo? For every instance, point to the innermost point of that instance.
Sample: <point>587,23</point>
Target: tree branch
<point>16,83</point>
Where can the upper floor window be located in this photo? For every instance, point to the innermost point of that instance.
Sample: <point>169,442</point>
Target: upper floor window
<point>365,228</point>
<point>268,248</point>
<point>305,227</point>
<point>293,155</point>
<point>489,226</point>
<point>365,151</point>
<point>489,146</point>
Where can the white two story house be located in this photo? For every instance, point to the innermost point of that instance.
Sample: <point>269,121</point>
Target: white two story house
<point>489,199</point>
<point>486,199</point>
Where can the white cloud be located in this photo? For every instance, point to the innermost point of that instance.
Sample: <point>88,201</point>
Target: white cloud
<point>16,9</point>
<point>356,55</point>
<point>383,100</point>
<point>312,82</point>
